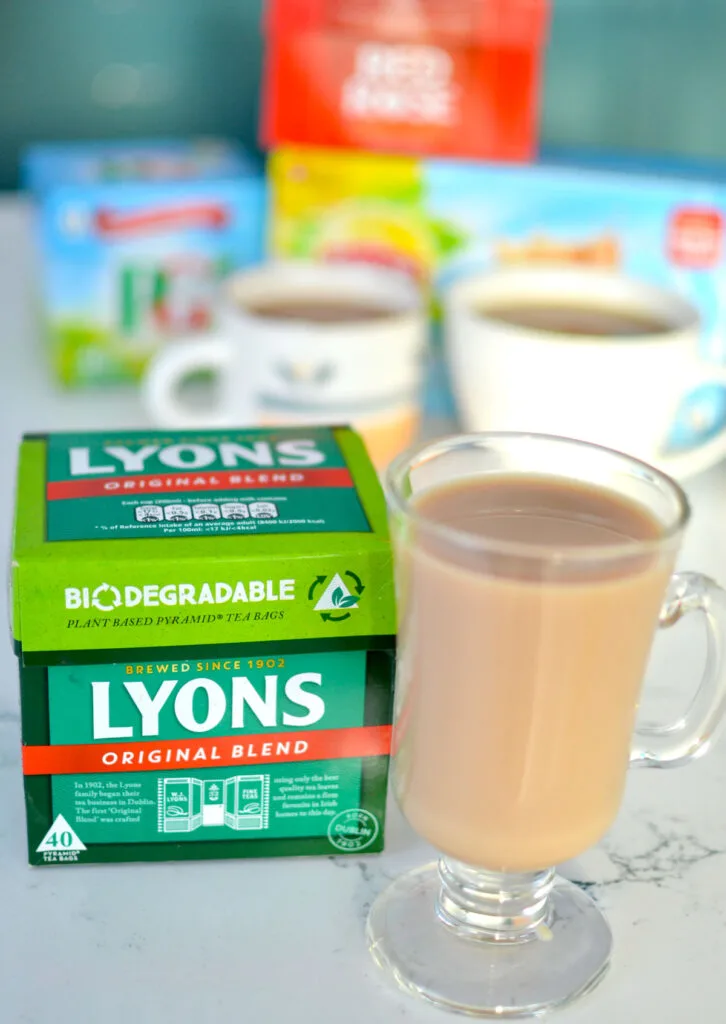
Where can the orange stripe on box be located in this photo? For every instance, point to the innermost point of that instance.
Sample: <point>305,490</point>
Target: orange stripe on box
<point>190,481</point>
<point>221,751</point>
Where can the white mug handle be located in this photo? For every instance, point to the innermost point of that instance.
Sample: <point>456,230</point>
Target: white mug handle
<point>705,455</point>
<point>213,353</point>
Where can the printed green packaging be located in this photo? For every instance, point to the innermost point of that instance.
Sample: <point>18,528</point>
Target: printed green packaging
<point>132,240</point>
<point>205,627</point>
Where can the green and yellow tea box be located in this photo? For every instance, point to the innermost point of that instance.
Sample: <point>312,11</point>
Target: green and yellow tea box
<point>205,628</point>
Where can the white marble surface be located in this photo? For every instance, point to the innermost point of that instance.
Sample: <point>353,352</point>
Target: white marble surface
<point>272,941</point>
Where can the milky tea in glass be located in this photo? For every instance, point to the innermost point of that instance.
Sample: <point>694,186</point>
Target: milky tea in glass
<point>532,573</point>
<point>521,677</point>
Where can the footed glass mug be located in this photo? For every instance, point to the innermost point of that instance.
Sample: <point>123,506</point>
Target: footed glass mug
<point>521,659</point>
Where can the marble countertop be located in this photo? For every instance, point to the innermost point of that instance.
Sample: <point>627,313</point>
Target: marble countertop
<point>278,940</point>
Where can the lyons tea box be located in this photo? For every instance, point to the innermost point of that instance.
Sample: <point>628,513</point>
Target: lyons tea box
<point>205,629</point>
<point>132,240</point>
<point>441,219</point>
<point>441,77</point>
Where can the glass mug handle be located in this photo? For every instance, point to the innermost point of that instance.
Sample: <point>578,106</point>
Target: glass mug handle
<point>670,746</point>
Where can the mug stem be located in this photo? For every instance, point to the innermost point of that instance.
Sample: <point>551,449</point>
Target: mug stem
<point>494,906</point>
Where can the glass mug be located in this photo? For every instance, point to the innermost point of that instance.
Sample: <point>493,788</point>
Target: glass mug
<point>519,672</point>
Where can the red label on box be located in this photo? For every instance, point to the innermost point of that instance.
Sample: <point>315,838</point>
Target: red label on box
<point>122,223</point>
<point>695,237</point>
<point>427,92</point>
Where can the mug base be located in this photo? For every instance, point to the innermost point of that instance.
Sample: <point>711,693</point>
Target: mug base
<point>487,978</point>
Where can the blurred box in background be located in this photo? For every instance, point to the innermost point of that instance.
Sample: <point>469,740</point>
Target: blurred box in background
<point>440,220</point>
<point>132,240</point>
<point>441,77</point>
<point>332,205</point>
<point>644,77</point>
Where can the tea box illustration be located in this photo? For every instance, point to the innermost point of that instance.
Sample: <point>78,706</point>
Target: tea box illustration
<point>205,628</point>
<point>241,803</point>
<point>173,295</point>
<point>132,242</point>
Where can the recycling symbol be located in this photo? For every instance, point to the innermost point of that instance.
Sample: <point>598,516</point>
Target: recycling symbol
<point>337,600</point>
<point>106,598</point>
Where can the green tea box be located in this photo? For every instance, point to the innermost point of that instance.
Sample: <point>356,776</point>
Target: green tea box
<point>205,626</point>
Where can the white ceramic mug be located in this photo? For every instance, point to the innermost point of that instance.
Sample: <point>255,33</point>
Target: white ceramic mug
<point>285,370</point>
<point>621,392</point>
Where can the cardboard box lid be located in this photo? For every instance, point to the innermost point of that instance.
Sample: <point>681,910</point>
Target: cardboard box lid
<point>152,161</point>
<point>469,22</point>
<point>148,539</point>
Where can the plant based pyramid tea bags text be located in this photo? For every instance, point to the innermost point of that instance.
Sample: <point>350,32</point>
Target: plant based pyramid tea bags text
<point>205,628</point>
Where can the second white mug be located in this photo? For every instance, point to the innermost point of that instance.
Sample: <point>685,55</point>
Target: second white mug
<point>623,391</point>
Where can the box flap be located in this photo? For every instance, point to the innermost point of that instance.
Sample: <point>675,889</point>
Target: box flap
<point>465,22</point>
<point>161,161</point>
<point>152,539</point>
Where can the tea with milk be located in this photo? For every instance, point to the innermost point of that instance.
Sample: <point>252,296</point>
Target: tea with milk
<point>546,654</point>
